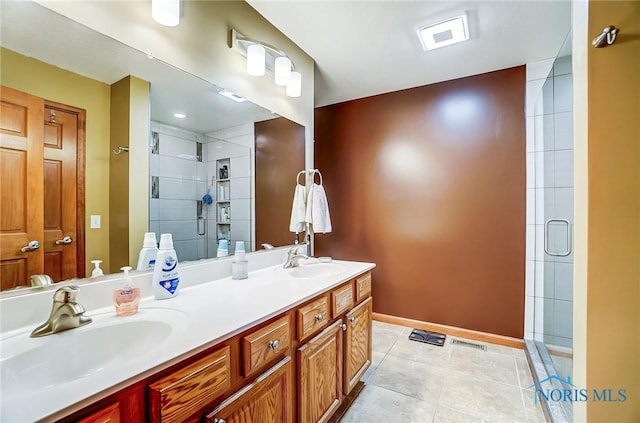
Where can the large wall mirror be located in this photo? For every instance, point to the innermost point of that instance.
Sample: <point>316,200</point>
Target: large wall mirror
<point>203,168</point>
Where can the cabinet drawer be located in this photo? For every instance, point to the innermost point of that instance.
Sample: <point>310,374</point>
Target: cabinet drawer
<point>341,300</point>
<point>312,317</point>
<point>179,395</point>
<point>265,344</point>
<point>363,287</point>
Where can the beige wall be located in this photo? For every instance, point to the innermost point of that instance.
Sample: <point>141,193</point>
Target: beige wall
<point>607,279</point>
<point>200,45</point>
<point>55,84</point>
<point>129,172</point>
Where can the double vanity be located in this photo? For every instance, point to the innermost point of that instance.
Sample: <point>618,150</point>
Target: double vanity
<point>284,345</point>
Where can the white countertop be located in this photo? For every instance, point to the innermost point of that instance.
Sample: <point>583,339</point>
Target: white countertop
<point>214,311</point>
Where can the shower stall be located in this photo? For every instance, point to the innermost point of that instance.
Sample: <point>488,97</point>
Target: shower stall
<point>550,231</point>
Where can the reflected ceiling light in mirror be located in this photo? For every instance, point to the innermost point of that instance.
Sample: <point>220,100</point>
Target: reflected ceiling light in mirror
<point>294,87</point>
<point>232,96</point>
<point>445,33</point>
<point>179,115</point>
<point>262,57</point>
<point>166,12</point>
<point>282,72</point>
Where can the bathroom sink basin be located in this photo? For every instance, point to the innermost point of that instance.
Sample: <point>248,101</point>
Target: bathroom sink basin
<point>317,270</point>
<point>34,364</point>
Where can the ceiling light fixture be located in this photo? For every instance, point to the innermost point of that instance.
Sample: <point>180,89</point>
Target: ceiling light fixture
<point>262,57</point>
<point>179,115</point>
<point>166,12</point>
<point>445,33</point>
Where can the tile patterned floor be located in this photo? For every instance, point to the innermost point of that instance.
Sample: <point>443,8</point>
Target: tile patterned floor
<point>412,382</point>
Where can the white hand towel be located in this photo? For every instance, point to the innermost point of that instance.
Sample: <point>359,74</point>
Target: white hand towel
<point>297,222</point>
<point>318,210</point>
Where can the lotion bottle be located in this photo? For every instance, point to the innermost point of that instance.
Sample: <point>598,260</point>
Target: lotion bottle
<point>166,279</point>
<point>127,297</point>
<point>147,257</point>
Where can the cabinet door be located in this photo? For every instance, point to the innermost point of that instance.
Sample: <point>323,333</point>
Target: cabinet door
<point>320,375</point>
<point>110,414</point>
<point>267,400</point>
<point>357,348</point>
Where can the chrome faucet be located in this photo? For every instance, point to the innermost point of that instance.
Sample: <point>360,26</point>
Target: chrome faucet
<point>66,313</point>
<point>294,257</point>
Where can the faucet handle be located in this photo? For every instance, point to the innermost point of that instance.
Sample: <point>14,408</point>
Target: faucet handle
<point>66,294</point>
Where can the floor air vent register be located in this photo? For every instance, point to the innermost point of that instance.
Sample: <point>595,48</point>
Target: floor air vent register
<point>433,338</point>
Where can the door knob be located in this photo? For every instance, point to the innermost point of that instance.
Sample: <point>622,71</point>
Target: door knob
<point>33,245</point>
<point>64,241</point>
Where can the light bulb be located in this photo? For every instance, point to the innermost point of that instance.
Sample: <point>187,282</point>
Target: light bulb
<point>166,12</point>
<point>294,87</point>
<point>256,60</point>
<point>282,73</point>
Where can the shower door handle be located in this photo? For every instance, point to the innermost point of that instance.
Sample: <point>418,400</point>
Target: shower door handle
<point>546,237</point>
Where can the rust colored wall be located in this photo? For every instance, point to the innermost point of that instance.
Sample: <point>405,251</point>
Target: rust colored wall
<point>279,157</point>
<point>429,183</point>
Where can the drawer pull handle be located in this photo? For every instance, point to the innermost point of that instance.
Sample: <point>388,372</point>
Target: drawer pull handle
<point>217,420</point>
<point>319,317</point>
<point>352,319</point>
<point>274,344</point>
<point>343,327</point>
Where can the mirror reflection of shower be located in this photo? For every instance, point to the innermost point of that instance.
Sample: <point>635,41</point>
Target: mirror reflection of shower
<point>201,188</point>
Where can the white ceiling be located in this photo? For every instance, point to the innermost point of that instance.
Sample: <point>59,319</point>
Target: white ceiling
<point>364,48</point>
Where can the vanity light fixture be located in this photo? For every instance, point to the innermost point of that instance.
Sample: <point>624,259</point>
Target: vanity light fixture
<point>166,12</point>
<point>445,33</point>
<point>262,57</point>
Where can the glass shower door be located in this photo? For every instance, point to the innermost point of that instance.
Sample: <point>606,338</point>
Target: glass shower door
<point>553,135</point>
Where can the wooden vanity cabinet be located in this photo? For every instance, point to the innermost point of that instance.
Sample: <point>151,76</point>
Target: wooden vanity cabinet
<point>297,366</point>
<point>177,396</point>
<point>320,375</point>
<point>357,344</point>
<point>332,363</point>
<point>268,399</point>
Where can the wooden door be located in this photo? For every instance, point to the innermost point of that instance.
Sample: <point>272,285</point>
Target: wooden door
<point>62,138</point>
<point>357,348</point>
<point>267,400</point>
<point>21,176</point>
<point>320,376</point>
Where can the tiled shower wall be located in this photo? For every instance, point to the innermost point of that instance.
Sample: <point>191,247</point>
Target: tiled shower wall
<point>237,144</point>
<point>549,302</point>
<point>180,181</point>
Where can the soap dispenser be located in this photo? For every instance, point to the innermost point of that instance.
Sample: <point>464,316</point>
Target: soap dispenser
<point>97,271</point>
<point>127,297</point>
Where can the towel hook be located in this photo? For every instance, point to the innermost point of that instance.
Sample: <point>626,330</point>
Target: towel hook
<point>120,149</point>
